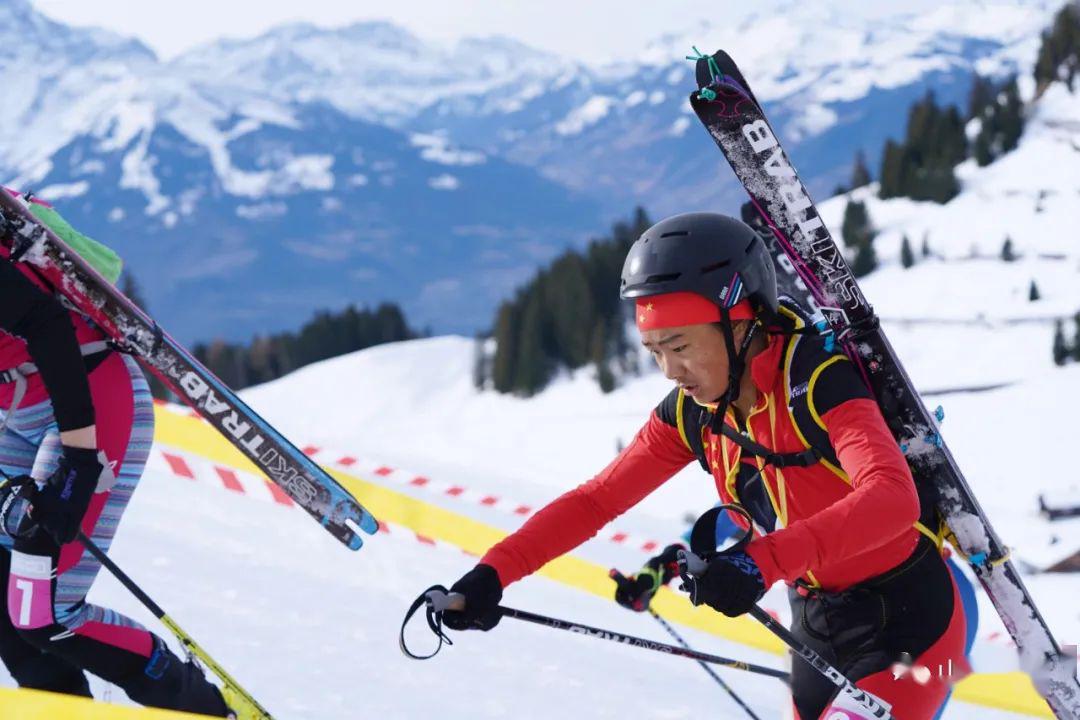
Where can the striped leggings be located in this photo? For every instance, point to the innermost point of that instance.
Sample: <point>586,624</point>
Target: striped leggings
<point>49,634</point>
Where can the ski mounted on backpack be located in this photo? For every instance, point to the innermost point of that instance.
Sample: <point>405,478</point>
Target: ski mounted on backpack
<point>29,241</point>
<point>729,111</point>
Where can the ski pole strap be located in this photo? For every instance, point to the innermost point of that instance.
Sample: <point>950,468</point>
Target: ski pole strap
<point>806,458</point>
<point>436,599</point>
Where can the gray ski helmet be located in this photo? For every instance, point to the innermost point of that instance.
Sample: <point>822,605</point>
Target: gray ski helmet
<point>713,255</point>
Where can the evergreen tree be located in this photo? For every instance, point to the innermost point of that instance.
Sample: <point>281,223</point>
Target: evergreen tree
<point>1001,123</point>
<point>504,365</point>
<point>858,232</point>
<point>1060,349</point>
<point>926,244</point>
<point>856,229</point>
<point>1012,117</point>
<point>1074,350</point>
<point>981,149</point>
<point>922,166</point>
<point>860,174</point>
<point>599,354</point>
<point>568,303</point>
<point>326,335</point>
<point>1007,252</point>
<point>907,257</point>
<point>553,320</point>
<point>1059,54</point>
<point>893,171</point>
<point>531,366</point>
<point>1033,292</point>
<point>980,96</point>
<point>480,365</point>
<point>865,261</point>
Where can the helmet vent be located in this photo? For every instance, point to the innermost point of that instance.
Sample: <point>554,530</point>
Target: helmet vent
<point>714,267</point>
<point>675,233</point>
<point>662,278</point>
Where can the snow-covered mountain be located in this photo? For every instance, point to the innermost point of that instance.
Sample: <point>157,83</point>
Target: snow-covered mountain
<point>833,83</point>
<point>250,182</point>
<point>376,71</point>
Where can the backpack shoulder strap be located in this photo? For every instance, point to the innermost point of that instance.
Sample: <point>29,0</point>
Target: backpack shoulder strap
<point>677,411</point>
<point>805,359</point>
<point>817,378</point>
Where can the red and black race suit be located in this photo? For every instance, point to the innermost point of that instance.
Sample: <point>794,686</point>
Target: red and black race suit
<point>839,525</point>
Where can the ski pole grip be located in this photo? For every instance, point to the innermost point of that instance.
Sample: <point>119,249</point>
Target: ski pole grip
<point>691,564</point>
<point>440,601</point>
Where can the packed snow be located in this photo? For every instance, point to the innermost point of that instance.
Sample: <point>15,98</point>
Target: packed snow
<point>311,628</point>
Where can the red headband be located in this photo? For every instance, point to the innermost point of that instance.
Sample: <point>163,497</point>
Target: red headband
<point>684,308</point>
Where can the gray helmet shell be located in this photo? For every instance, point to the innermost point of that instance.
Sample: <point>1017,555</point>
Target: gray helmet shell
<point>704,253</point>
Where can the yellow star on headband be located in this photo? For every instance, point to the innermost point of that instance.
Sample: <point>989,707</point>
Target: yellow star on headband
<point>648,307</point>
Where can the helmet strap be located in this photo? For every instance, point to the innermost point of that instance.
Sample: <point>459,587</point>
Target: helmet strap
<point>736,367</point>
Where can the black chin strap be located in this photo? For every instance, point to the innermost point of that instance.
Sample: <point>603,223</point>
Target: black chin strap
<point>736,367</point>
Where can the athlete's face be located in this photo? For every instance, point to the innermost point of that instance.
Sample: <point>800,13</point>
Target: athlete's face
<point>694,356</point>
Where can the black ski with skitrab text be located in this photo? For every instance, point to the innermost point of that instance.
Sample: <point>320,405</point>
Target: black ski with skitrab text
<point>729,111</point>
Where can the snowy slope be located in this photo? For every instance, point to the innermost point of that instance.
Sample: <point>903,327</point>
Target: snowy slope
<point>311,628</point>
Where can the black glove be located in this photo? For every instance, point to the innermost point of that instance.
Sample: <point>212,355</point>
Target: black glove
<point>731,584</point>
<point>482,591</point>
<point>58,508</point>
<point>16,495</point>
<point>635,593</point>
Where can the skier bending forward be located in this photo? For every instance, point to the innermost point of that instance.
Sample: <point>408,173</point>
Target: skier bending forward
<point>806,451</point>
<point>76,421</point>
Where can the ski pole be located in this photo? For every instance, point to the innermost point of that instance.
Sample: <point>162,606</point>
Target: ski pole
<point>582,629</point>
<point>692,566</point>
<point>438,599</point>
<point>877,707</point>
<point>618,578</point>
<point>704,666</point>
<point>189,644</point>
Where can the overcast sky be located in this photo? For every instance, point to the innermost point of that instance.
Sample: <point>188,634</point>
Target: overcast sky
<point>589,30</point>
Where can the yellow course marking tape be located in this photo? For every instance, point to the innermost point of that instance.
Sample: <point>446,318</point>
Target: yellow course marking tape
<point>38,705</point>
<point>1008,691</point>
